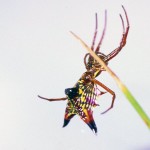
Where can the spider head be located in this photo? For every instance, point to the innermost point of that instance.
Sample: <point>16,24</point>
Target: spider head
<point>92,64</point>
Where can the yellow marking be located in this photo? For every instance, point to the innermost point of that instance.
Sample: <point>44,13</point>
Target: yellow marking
<point>83,105</point>
<point>80,91</point>
<point>80,81</point>
<point>83,99</point>
<point>87,105</point>
<point>95,74</point>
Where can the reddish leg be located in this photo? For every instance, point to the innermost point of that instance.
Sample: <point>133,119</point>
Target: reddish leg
<point>124,37</point>
<point>94,37</point>
<point>95,33</point>
<point>103,33</point>
<point>108,90</point>
<point>53,99</point>
<point>93,41</point>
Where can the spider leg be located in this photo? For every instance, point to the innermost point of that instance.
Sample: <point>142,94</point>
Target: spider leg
<point>53,99</point>
<point>95,33</point>
<point>108,90</point>
<point>93,41</point>
<point>103,33</point>
<point>94,37</point>
<point>124,37</point>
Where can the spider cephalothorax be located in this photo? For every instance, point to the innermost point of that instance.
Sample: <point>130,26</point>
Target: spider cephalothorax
<point>92,65</point>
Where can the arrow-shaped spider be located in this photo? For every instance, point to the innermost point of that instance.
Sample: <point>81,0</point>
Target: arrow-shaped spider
<point>82,97</point>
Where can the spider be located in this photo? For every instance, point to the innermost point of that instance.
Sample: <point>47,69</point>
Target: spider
<point>82,97</point>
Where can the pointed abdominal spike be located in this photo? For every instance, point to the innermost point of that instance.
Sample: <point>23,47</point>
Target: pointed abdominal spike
<point>92,126</point>
<point>66,122</point>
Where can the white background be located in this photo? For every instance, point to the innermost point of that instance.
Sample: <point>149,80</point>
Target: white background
<point>38,55</point>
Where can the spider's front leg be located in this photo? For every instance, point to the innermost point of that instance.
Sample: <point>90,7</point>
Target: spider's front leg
<point>53,99</point>
<point>108,90</point>
<point>123,39</point>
